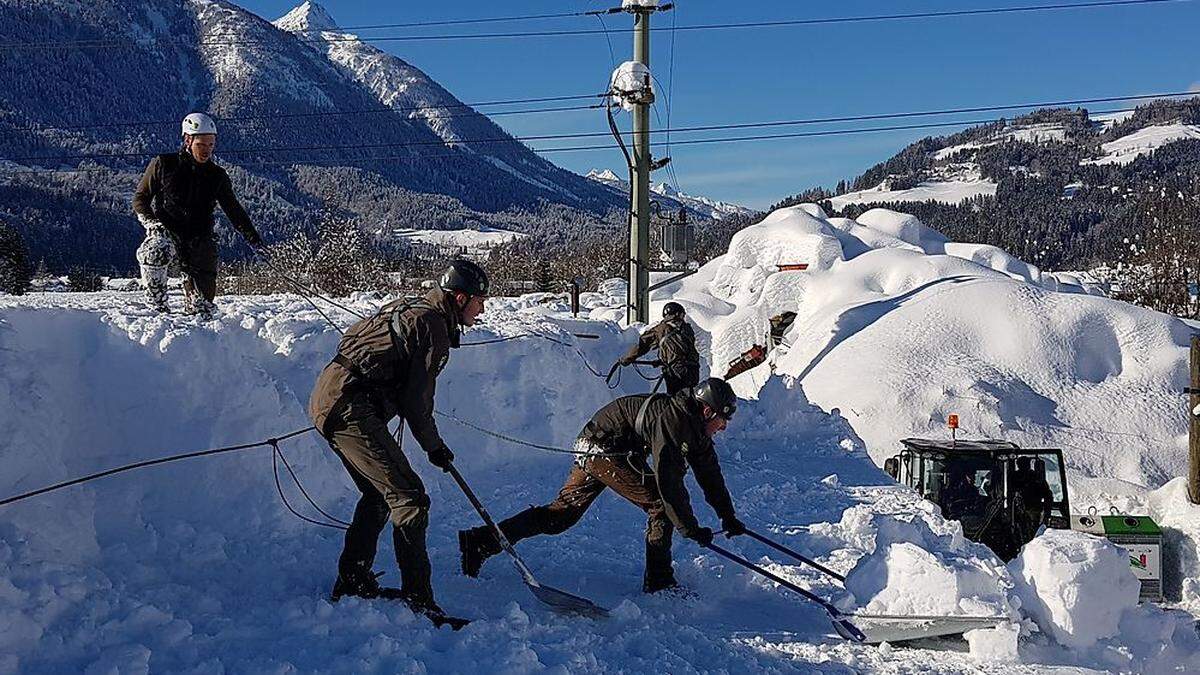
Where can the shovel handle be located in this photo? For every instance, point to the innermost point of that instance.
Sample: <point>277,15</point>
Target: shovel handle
<point>840,622</point>
<point>776,578</point>
<point>789,552</point>
<point>526,573</point>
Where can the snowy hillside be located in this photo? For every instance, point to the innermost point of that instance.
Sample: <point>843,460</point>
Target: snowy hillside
<point>1064,188</point>
<point>197,565</point>
<point>944,191</point>
<point>704,207</point>
<point>473,241</point>
<point>1143,142</point>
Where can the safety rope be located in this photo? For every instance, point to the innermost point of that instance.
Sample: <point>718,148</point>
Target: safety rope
<point>528,444</point>
<point>153,462</point>
<point>308,294</point>
<point>277,454</point>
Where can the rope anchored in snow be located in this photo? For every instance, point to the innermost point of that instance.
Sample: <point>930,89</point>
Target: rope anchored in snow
<point>273,442</point>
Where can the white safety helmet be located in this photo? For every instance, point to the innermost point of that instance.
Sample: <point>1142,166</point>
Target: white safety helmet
<point>198,123</point>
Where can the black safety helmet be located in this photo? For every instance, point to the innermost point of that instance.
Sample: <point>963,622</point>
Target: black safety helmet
<point>466,277</point>
<point>672,309</point>
<point>718,395</point>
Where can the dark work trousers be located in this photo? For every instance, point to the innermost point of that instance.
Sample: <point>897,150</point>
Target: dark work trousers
<point>582,487</point>
<point>680,377</point>
<point>198,261</point>
<point>390,489</point>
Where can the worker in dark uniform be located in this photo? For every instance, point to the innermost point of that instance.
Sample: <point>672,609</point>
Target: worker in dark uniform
<point>175,201</point>
<point>676,344</point>
<point>640,446</point>
<point>387,365</point>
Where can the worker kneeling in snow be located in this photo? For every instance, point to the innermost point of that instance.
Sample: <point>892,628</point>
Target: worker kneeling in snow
<point>676,432</point>
<point>387,365</point>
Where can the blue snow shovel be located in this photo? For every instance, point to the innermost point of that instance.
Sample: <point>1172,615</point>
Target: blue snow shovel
<point>559,601</point>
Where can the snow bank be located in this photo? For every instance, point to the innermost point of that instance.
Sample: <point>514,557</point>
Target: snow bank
<point>913,562</point>
<point>1080,592</point>
<point>1075,586</point>
<point>995,645</point>
<point>890,330</point>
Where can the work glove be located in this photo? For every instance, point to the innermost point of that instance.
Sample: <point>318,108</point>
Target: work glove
<point>733,527</point>
<point>442,458</point>
<point>702,536</point>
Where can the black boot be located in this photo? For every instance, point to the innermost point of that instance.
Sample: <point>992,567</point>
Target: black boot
<point>660,586</point>
<point>362,584</point>
<point>429,609</point>
<point>476,545</point>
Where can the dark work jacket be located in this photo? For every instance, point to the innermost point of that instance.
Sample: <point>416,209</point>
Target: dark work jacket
<point>388,365</point>
<point>183,194</point>
<point>675,341</point>
<point>673,434</point>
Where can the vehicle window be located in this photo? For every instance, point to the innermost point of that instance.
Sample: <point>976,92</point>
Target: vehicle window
<point>1053,476</point>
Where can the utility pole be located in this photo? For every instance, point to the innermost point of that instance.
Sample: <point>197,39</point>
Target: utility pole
<point>639,192</point>
<point>1194,425</point>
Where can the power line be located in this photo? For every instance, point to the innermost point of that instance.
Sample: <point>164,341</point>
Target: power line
<point>581,148</point>
<point>358,111</point>
<point>580,32</point>
<point>686,129</point>
<point>448,22</point>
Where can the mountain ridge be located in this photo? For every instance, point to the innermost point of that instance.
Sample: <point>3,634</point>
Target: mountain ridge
<point>269,89</point>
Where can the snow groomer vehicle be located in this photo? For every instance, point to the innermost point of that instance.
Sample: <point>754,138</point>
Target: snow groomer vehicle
<point>1003,495</point>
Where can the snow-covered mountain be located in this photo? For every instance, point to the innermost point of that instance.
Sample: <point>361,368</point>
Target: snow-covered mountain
<point>668,196</point>
<point>400,85</point>
<point>279,92</point>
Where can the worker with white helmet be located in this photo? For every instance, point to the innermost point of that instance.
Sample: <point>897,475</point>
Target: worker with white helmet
<point>175,202</point>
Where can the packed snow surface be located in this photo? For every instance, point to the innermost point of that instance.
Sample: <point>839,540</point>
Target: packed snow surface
<point>197,566</point>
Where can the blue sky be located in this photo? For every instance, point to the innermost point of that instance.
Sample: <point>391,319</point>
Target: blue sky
<point>764,74</point>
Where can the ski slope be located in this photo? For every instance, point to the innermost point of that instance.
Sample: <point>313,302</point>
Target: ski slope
<point>197,566</point>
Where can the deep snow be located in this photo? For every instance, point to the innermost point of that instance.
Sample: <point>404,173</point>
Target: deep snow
<point>197,567</point>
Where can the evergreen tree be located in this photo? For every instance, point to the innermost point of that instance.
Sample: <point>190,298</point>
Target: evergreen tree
<point>16,272</point>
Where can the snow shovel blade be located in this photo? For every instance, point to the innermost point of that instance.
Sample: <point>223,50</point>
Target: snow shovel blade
<point>847,630</point>
<point>562,601</point>
<point>895,629</point>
